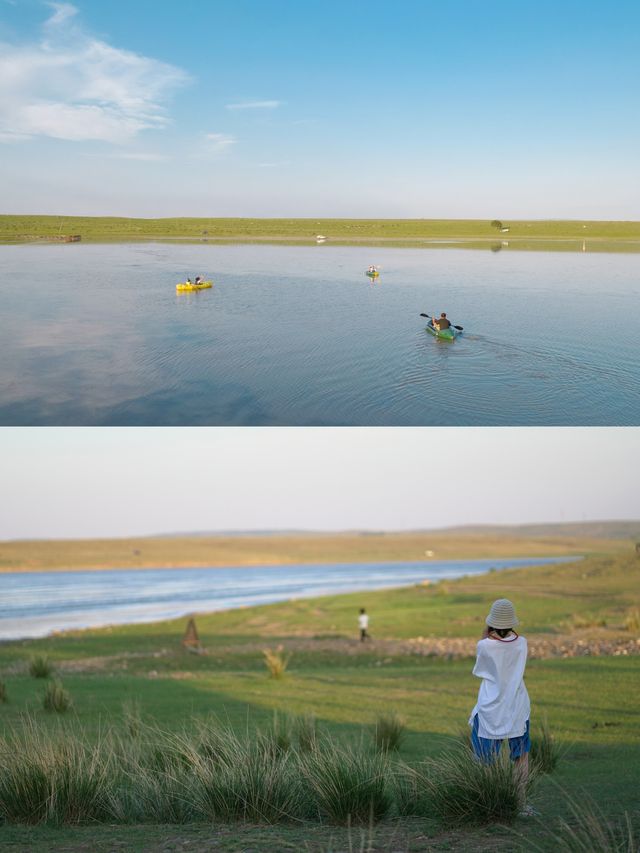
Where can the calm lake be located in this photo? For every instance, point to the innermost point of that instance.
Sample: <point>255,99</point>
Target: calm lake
<point>33,604</point>
<point>298,335</point>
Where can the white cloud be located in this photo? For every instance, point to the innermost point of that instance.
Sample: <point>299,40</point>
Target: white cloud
<point>72,86</point>
<point>255,105</point>
<point>220,141</point>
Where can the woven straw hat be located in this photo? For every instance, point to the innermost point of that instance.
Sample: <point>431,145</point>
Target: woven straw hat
<point>502,614</point>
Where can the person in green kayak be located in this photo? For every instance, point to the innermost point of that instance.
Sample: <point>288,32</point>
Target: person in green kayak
<point>441,322</point>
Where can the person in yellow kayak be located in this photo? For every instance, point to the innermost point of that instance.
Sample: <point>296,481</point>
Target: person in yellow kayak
<point>198,280</point>
<point>441,322</point>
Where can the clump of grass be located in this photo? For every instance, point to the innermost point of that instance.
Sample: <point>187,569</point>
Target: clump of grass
<point>587,620</point>
<point>132,717</point>
<point>462,790</point>
<point>408,793</point>
<point>306,732</point>
<point>3,693</point>
<point>389,732</point>
<point>278,738</point>
<point>56,698</point>
<point>589,831</point>
<point>276,661</point>
<point>54,778</point>
<point>632,620</point>
<point>348,785</point>
<point>40,666</point>
<point>251,784</point>
<point>545,753</point>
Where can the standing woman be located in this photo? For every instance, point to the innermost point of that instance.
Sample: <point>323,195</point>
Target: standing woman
<point>503,708</point>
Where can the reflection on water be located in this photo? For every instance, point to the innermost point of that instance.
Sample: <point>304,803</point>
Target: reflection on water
<point>96,334</point>
<point>35,604</point>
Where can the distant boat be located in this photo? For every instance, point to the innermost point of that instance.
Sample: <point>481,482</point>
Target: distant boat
<point>320,238</point>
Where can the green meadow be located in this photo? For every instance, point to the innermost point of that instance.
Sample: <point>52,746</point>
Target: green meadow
<point>523,234</point>
<point>583,625</point>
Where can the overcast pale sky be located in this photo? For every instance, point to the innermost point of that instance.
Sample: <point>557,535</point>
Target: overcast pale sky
<point>84,482</point>
<point>369,108</point>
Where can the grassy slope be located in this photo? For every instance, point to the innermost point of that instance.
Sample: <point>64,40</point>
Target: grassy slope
<point>591,704</point>
<point>268,550</point>
<point>347,230</point>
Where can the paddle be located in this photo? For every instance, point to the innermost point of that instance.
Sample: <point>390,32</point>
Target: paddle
<point>459,328</point>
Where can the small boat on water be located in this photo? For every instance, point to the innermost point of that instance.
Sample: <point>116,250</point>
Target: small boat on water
<point>372,273</point>
<point>203,285</point>
<point>449,334</point>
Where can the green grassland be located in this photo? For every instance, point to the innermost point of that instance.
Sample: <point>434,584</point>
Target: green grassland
<point>278,549</point>
<point>556,234</point>
<point>591,702</point>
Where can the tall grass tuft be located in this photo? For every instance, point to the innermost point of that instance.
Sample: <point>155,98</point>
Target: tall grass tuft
<point>4,697</point>
<point>54,778</point>
<point>55,698</point>
<point>276,661</point>
<point>348,784</point>
<point>306,732</point>
<point>632,620</point>
<point>588,830</point>
<point>409,792</point>
<point>250,784</point>
<point>278,738</point>
<point>132,717</point>
<point>545,753</point>
<point>40,666</point>
<point>463,790</point>
<point>389,732</point>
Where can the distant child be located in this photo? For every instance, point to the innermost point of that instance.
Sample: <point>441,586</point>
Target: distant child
<point>503,708</point>
<point>363,624</point>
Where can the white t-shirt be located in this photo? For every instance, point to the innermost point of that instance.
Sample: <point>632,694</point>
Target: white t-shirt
<point>363,621</point>
<point>503,705</point>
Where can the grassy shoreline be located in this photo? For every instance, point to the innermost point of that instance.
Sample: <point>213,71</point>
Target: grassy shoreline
<point>135,676</point>
<point>229,551</point>
<point>569,235</point>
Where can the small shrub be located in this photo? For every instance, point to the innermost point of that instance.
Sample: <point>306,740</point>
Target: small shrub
<point>348,785</point>
<point>3,693</point>
<point>463,790</point>
<point>545,753</point>
<point>389,732</point>
<point>56,698</point>
<point>632,620</point>
<point>276,661</point>
<point>40,666</point>
<point>587,620</point>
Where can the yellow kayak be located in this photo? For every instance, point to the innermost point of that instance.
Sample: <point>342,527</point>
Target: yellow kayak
<point>202,286</point>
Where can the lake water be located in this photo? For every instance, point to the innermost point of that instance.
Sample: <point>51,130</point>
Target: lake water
<point>33,604</point>
<point>298,335</point>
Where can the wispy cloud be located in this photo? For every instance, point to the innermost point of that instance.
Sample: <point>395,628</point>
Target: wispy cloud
<point>147,157</point>
<point>70,85</point>
<point>255,105</point>
<point>219,141</point>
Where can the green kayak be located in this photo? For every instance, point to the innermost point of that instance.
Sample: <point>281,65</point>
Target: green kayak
<point>449,334</point>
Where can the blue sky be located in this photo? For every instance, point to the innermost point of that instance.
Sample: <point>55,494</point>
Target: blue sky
<point>344,108</point>
<point>59,482</point>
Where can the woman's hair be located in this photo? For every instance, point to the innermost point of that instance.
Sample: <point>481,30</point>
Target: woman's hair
<point>501,632</point>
